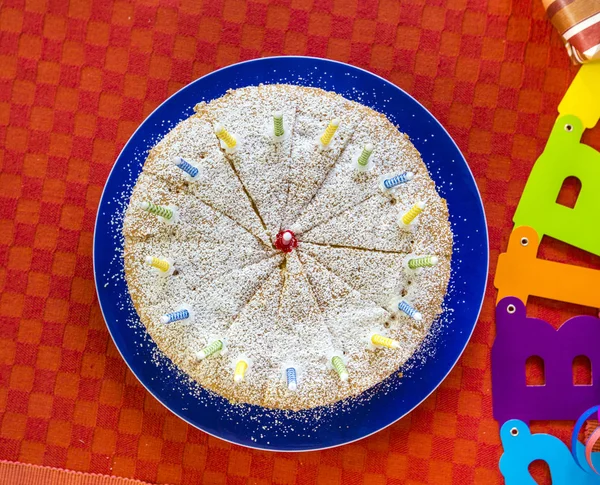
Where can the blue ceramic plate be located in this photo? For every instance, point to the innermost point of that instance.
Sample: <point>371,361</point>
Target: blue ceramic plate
<point>351,419</point>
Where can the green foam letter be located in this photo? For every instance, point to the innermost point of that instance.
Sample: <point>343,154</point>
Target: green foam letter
<point>564,156</point>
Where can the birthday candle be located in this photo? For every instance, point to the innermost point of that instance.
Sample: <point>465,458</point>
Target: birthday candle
<point>185,166</point>
<point>423,262</point>
<point>363,159</point>
<point>403,306</point>
<point>412,214</point>
<point>224,135</point>
<point>329,132</point>
<point>390,183</point>
<point>338,364</point>
<point>291,377</point>
<point>278,123</point>
<point>159,210</point>
<point>240,370</point>
<point>158,263</point>
<point>182,314</point>
<point>382,341</point>
<point>210,349</point>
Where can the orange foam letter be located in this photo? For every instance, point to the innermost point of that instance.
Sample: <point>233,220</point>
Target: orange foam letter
<point>521,274</point>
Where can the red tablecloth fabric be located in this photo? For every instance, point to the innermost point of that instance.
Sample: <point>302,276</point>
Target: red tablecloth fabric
<point>75,82</point>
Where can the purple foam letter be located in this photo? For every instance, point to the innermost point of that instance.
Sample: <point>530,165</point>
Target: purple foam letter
<point>517,339</point>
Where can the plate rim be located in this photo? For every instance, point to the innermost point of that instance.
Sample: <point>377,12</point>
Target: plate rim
<point>479,304</point>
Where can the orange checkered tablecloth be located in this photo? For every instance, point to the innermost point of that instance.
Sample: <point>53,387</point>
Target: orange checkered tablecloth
<point>75,82</point>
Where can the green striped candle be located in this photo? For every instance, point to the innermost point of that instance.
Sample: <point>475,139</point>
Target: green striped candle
<point>363,159</point>
<point>158,210</point>
<point>210,349</point>
<point>338,364</point>
<point>278,123</point>
<point>423,262</point>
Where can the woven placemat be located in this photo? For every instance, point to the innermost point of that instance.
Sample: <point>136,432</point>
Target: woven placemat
<point>23,474</point>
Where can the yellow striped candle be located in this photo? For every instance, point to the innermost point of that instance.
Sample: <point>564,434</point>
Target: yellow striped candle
<point>408,218</point>
<point>240,370</point>
<point>225,136</point>
<point>381,341</point>
<point>160,264</point>
<point>327,136</point>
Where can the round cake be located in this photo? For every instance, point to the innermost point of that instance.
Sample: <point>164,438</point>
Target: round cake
<point>286,247</point>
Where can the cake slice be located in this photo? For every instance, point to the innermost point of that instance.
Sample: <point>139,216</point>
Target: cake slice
<point>377,276</point>
<point>345,186</point>
<point>196,263</point>
<point>346,313</point>
<point>260,161</point>
<point>309,164</point>
<point>216,184</point>
<point>384,277</point>
<point>250,337</point>
<point>301,339</point>
<point>195,220</point>
<point>227,295</point>
<point>356,227</point>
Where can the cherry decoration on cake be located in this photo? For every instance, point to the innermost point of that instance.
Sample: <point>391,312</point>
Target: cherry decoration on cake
<point>286,241</point>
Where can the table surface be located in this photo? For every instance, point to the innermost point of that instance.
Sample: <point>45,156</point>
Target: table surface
<point>76,81</point>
